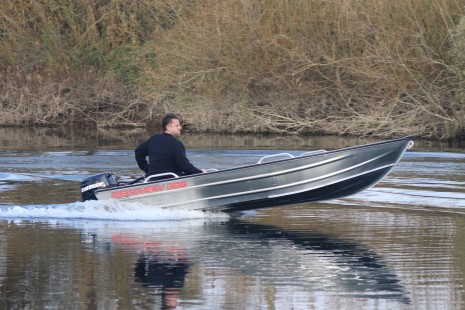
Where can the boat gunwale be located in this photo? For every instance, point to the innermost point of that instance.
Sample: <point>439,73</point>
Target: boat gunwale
<point>272,196</point>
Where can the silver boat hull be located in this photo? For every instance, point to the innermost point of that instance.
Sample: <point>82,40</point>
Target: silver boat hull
<point>311,177</point>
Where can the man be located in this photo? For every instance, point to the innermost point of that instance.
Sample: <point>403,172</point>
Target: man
<point>165,152</point>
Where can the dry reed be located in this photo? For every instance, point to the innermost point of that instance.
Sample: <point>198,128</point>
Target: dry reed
<point>358,67</point>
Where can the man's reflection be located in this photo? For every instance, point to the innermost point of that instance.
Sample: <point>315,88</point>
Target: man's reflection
<point>166,270</point>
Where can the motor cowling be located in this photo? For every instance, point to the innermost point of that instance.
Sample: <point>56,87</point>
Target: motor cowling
<point>98,181</point>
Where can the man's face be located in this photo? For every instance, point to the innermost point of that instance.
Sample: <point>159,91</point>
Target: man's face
<point>174,127</point>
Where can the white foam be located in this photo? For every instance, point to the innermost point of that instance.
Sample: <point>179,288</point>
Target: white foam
<point>398,196</point>
<point>11,177</point>
<point>103,210</point>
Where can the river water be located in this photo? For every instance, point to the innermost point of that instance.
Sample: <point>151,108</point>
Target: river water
<point>398,245</point>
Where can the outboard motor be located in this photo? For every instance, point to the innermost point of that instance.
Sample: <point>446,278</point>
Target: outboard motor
<point>89,185</point>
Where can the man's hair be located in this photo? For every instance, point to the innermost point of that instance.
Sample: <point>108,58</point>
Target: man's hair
<point>167,119</point>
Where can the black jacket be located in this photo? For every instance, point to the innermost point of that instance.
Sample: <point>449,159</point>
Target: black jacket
<point>166,154</point>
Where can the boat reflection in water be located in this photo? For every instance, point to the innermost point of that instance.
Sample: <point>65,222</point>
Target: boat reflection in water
<point>204,255</point>
<point>166,271</point>
<point>318,260</point>
<point>161,266</point>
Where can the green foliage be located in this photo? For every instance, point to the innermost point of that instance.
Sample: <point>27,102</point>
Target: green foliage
<point>125,63</point>
<point>93,57</point>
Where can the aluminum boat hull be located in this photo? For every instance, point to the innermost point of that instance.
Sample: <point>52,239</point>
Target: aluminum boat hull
<point>310,177</point>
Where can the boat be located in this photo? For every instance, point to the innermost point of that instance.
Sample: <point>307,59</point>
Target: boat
<point>275,180</point>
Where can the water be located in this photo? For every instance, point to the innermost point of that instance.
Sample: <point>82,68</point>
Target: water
<point>398,245</point>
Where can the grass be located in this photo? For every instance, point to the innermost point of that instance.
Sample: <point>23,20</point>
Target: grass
<point>357,67</point>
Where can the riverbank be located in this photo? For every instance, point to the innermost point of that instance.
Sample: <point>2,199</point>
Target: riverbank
<point>89,140</point>
<point>313,67</point>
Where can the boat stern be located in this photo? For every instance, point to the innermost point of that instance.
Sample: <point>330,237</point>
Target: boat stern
<point>98,181</point>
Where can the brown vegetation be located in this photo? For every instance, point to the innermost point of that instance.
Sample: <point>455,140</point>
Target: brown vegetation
<point>358,67</point>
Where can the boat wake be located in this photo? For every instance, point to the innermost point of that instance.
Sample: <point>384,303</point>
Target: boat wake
<point>103,210</point>
<point>413,199</point>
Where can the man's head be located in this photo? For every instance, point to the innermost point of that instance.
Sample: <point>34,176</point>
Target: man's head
<point>171,125</point>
